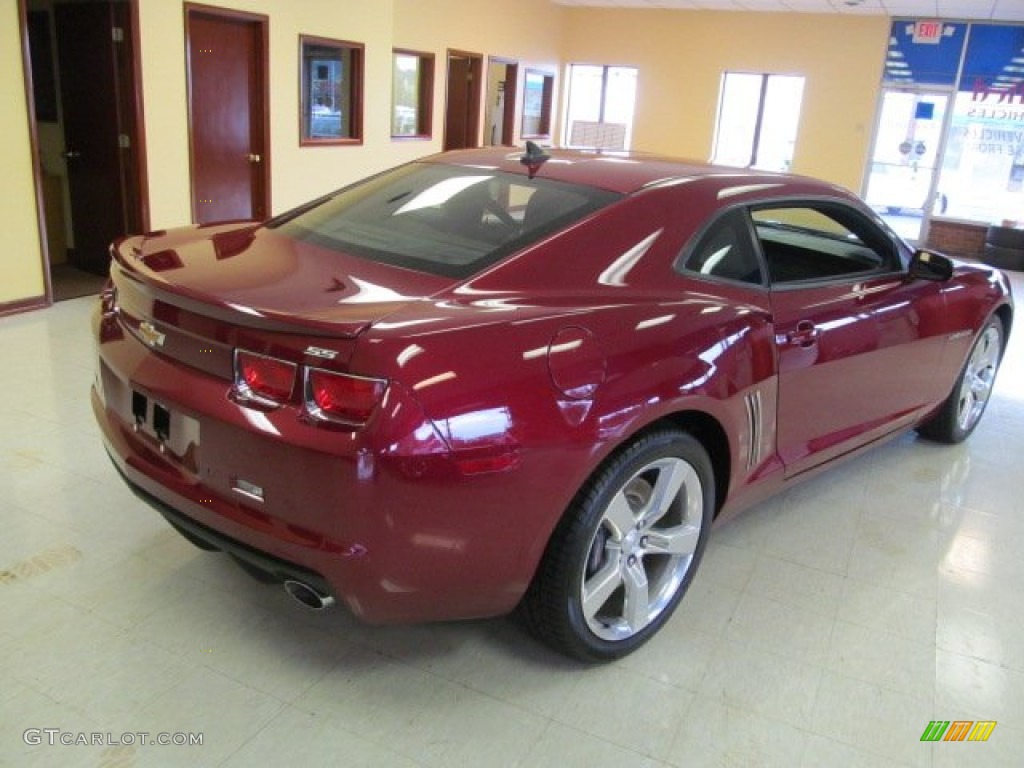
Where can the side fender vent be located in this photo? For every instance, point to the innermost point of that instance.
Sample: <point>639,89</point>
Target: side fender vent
<point>754,427</point>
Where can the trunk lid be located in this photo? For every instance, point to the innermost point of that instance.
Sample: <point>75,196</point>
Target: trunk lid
<point>259,278</point>
<point>198,293</point>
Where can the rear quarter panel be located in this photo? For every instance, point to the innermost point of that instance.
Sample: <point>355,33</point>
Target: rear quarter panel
<point>478,363</point>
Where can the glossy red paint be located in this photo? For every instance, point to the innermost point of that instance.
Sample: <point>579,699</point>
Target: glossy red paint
<point>508,389</point>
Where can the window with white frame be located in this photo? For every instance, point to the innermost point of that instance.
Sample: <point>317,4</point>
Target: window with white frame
<point>758,116</point>
<point>601,100</point>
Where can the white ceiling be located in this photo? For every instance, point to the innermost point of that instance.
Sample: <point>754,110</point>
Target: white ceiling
<point>989,10</point>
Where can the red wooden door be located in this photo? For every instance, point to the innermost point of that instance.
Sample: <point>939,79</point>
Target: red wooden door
<point>462,118</point>
<point>227,116</point>
<point>508,119</point>
<point>92,137</point>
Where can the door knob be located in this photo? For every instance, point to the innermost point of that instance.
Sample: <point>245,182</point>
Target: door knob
<point>70,154</point>
<point>254,158</point>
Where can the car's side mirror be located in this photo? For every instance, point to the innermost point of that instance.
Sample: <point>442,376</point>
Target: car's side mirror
<point>929,265</point>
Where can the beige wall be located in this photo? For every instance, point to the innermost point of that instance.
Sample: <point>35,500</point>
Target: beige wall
<point>681,56</point>
<point>21,268</point>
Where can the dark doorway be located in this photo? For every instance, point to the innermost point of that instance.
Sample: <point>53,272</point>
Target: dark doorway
<point>462,113</point>
<point>228,119</point>
<point>89,130</point>
<point>500,111</point>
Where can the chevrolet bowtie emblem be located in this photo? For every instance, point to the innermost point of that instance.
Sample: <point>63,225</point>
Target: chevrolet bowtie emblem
<point>151,335</point>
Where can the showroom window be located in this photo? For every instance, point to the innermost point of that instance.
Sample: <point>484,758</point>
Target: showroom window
<point>331,91</point>
<point>924,53</point>
<point>412,94</point>
<point>537,93</point>
<point>982,171</point>
<point>600,106</point>
<point>758,116</point>
<point>948,139</point>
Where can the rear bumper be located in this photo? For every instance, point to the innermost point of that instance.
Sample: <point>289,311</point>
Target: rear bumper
<point>396,559</point>
<point>281,569</point>
<point>382,519</point>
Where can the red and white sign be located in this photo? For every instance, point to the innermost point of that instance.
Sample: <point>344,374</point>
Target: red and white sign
<point>928,32</point>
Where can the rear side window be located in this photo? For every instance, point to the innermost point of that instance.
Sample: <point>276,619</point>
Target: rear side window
<point>446,220</point>
<point>726,251</point>
<point>821,241</point>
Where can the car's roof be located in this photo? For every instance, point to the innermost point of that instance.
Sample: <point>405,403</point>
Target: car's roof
<point>623,172</point>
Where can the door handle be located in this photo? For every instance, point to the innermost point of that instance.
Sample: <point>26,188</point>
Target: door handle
<point>804,335</point>
<point>70,154</point>
<point>253,158</point>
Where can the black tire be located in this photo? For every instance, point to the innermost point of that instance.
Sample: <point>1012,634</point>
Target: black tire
<point>646,513</point>
<point>962,410</point>
<point>1005,237</point>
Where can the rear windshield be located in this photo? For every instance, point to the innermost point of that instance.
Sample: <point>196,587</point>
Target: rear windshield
<point>442,219</point>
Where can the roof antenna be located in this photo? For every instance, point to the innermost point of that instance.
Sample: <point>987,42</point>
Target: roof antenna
<point>533,158</point>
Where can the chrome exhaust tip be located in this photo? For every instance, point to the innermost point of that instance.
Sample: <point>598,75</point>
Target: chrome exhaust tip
<point>307,595</point>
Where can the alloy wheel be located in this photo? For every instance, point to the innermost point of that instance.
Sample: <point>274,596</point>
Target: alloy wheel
<point>979,377</point>
<point>642,548</point>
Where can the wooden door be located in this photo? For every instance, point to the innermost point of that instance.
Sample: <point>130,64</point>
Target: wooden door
<point>131,139</point>
<point>93,139</point>
<point>462,112</point>
<point>228,121</point>
<point>508,120</point>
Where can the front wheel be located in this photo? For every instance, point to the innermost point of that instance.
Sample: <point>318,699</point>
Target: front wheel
<point>627,549</point>
<point>962,410</point>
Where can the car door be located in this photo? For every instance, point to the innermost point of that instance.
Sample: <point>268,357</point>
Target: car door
<point>733,288</point>
<point>856,338</point>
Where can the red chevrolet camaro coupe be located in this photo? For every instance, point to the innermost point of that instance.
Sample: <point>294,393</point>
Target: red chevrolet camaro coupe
<point>488,381</point>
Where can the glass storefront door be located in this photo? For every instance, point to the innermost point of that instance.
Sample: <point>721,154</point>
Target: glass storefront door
<point>905,160</point>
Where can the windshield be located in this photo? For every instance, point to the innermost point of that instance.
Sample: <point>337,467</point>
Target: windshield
<point>442,219</point>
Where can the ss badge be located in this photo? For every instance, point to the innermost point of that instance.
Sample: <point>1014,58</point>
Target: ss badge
<point>326,354</point>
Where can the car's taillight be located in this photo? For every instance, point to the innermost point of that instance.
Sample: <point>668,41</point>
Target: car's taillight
<point>342,398</point>
<point>262,379</point>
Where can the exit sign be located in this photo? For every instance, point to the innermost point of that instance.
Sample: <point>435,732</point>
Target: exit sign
<point>928,32</point>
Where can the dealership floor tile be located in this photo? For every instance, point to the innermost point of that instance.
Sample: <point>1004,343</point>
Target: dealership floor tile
<point>827,627</point>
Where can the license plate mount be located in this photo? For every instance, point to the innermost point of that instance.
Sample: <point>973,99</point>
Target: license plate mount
<point>175,434</point>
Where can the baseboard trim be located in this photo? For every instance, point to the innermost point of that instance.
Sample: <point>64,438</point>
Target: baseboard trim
<point>23,305</point>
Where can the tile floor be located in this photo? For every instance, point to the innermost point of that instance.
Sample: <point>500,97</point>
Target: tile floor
<point>826,627</point>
